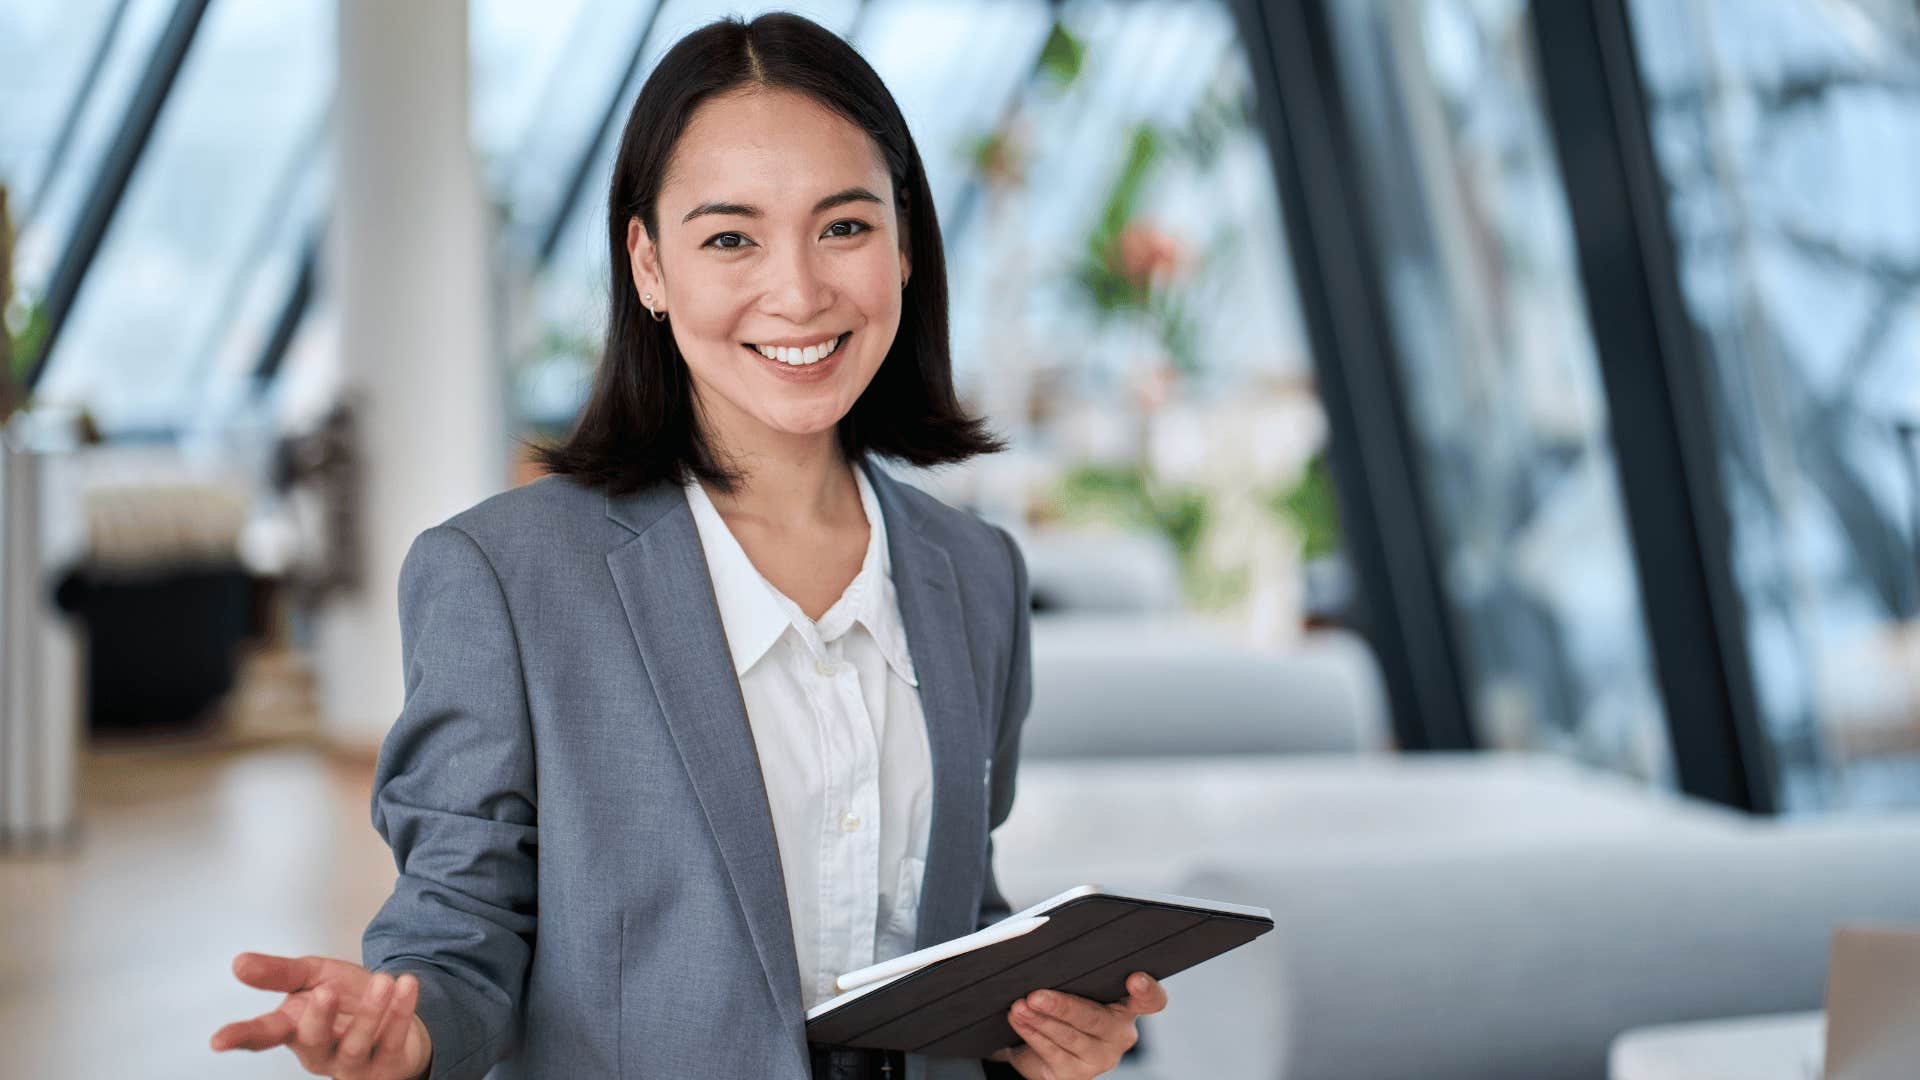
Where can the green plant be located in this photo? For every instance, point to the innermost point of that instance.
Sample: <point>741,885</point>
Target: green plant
<point>1125,264</point>
<point>1130,496</point>
<point>15,353</point>
<point>1310,507</point>
<point>1062,55</point>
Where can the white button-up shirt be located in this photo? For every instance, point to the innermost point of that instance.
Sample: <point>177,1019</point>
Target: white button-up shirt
<point>834,706</point>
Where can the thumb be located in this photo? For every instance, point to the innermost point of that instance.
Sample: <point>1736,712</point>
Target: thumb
<point>1144,995</point>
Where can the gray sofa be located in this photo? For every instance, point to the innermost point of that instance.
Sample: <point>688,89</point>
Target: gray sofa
<point>1527,962</point>
<point>1486,916</point>
<point>1165,684</point>
<point>1439,916</point>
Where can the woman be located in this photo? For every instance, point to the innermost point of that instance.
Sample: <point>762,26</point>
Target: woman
<point>719,709</point>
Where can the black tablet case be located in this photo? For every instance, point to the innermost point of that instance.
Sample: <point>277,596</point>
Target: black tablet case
<point>957,1007</point>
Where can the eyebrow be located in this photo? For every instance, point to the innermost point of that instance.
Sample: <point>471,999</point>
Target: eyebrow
<point>838,198</point>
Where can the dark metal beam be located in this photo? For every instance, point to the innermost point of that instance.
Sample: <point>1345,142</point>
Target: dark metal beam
<point>590,148</point>
<point>292,310</point>
<point>1383,505</point>
<point>70,123</point>
<point>1655,370</point>
<point>116,170</point>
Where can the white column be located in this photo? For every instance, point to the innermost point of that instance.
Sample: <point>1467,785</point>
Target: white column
<point>407,264</point>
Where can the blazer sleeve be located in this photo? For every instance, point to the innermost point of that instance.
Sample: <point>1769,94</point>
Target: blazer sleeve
<point>453,795</point>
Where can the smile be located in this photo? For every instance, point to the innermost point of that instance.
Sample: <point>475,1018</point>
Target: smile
<point>800,356</point>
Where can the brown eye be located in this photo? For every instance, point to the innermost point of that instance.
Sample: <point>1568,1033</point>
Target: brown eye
<point>854,228</point>
<point>726,241</point>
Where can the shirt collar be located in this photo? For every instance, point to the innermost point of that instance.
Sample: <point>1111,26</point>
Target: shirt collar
<point>754,614</point>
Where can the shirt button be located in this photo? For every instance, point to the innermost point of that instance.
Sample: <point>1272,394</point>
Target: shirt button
<point>824,668</point>
<point>849,822</point>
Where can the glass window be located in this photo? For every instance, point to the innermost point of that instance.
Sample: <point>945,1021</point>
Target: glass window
<point>209,230</point>
<point>67,74</point>
<point>1501,380</point>
<point>1789,136</point>
<point>542,77</point>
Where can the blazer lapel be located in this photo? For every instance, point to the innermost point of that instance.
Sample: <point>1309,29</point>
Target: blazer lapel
<point>957,728</point>
<point>668,595</point>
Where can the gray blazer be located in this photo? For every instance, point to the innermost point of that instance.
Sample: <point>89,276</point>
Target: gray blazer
<point>589,883</point>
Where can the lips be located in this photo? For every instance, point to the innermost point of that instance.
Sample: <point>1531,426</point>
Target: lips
<point>814,353</point>
<point>820,370</point>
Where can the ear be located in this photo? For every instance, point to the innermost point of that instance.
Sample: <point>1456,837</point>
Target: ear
<point>644,260</point>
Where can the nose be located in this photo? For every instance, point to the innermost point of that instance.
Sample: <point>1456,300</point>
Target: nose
<point>796,290</point>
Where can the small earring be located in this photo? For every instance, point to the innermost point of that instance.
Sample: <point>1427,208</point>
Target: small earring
<point>658,316</point>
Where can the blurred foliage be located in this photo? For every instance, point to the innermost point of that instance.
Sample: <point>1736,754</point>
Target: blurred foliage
<point>1125,266</point>
<point>1129,495</point>
<point>24,342</point>
<point>995,159</point>
<point>1061,56</point>
<point>23,323</point>
<point>997,156</point>
<point>1310,507</point>
<point>1099,273</point>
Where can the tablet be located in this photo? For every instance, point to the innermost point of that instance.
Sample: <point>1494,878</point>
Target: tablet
<point>1085,941</point>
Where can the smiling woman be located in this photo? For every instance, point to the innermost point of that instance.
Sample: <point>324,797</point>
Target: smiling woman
<point>719,710</point>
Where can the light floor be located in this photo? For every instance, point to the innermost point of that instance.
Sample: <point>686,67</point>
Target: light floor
<point>114,958</point>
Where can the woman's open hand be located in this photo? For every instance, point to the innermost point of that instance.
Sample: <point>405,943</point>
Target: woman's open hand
<point>340,1019</point>
<point>1073,1038</point>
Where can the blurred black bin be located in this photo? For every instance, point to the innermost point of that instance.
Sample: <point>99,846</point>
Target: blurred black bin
<point>161,646</point>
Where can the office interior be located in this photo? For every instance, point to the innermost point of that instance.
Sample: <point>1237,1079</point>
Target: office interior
<point>1466,452</point>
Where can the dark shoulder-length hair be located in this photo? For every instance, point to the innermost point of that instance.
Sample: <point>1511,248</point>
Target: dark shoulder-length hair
<point>639,425</point>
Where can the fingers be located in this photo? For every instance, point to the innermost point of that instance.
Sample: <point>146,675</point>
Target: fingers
<point>396,1025</point>
<point>313,1042</point>
<point>260,1033</point>
<point>1144,995</point>
<point>1089,1017</point>
<point>265,971</point>
<point>1044,1036</point>
<point>1074,1036</point>
<point>356,1046</point>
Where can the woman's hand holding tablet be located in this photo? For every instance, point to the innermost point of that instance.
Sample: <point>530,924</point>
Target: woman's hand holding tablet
<point>1074,1038</point>
<point>340,1019</point>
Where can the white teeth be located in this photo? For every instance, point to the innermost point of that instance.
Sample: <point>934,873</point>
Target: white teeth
<point>812,354</point>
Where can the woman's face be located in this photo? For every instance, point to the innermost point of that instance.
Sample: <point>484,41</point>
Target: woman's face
<point>777,232</point>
